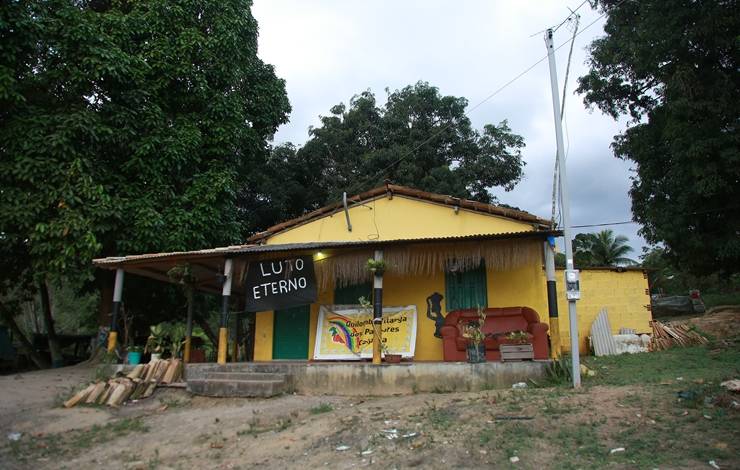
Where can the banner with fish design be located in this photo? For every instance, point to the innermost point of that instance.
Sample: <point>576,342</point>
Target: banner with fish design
<point>346,332</point>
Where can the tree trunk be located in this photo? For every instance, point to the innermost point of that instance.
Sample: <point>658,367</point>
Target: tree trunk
<point>56,352</point>
<point>37,358</point>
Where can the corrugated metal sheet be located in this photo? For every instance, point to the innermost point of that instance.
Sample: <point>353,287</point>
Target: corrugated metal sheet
<point>235,250</point>
<point>601,335</point>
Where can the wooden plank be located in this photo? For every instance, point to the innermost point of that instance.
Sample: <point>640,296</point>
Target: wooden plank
<point>79,396</point>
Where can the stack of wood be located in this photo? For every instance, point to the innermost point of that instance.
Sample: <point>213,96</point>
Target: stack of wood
<point>666,336</point>
<point>137,384</point>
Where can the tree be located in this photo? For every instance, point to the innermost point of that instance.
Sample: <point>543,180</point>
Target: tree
<point>417,138</point>
<point>129,127</point>
<point>605,249</point>
<point>672,67</point>
<point>598,250</point>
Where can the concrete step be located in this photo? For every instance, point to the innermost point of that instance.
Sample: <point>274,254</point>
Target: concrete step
<point>245,375</point>
<point>236,388</point>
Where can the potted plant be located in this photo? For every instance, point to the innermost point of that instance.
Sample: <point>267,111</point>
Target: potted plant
<point>176,336</point>
<point>389,357</point>
<point>473,332</point>
<point>377,267</point>
<point>133,355</point>
<point>517,337</point>
<point>156,341</point>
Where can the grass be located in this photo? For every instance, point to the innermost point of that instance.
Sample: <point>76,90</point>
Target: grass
<point>712,300</point>
<point>61,444</point>
<point>689,364</point>
<point>321,408</point>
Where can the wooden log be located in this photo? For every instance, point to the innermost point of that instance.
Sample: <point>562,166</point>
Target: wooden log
<point>96,391</point>
<point>106,393</point>
<point>136,372</point>
<point>121,391</point>
<point>152,368</point>
<point>79,396</point>
<point>173,372</point>
<point>149,389</point>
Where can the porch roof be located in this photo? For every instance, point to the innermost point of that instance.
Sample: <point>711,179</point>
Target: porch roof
<point>207,264</point>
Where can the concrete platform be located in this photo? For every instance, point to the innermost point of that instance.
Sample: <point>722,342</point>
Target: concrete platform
<point>364,378</point>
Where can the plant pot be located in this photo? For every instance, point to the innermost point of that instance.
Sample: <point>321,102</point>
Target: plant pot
<point>392,358</point>
<point>476,354</point>
<point>197,356</point>
<point>134,358</point>
<point>156,356</point>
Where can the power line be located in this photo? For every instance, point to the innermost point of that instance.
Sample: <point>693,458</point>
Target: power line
<point>486,99</point>
<point>605,224</point>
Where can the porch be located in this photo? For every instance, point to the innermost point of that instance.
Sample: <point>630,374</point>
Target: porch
<point>364,378</point>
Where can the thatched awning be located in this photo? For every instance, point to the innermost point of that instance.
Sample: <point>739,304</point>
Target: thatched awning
<point>343,263</point>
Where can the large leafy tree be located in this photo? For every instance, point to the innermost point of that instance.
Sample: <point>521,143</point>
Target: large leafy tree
<point>672,67</point>
<point>419,138</point>
<point>128,127</point>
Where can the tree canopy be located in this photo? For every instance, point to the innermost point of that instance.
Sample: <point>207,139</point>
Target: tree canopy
<point>672,67</point>
<point>419,138</point>
<point>129,127</point>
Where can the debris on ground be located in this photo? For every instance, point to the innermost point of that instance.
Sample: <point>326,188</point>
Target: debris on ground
<point>665,336</point>
<point>519,385</point>
<point>731,385</point>
<point>618,449</point>
<point>514,459</point>
<point>14,436</point>
<point>713,464</point>
<point>137,384</point>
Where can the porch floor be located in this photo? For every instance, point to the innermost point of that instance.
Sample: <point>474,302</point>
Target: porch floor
<point>364,378</point>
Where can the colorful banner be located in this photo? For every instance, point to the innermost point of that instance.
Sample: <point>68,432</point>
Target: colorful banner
<point>346,332</point>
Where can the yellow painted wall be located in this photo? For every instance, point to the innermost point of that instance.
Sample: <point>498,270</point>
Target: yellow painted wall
<point>623,294</point>
<point>263,328</point>
<point>521,287</point>
<point>398,218</point>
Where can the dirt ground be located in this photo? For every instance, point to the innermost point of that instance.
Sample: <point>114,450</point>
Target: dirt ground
<point>719,322</point>
<point>652,410</point>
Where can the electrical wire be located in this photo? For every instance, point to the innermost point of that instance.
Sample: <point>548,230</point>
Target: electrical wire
<point>479,104</point>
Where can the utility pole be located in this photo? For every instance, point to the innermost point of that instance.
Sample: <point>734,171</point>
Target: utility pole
<point>571,274</point>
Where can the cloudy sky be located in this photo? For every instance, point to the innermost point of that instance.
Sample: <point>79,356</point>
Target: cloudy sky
<point>329,50</point>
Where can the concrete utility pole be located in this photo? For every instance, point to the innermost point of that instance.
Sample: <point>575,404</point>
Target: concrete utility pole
<point>571,275</point>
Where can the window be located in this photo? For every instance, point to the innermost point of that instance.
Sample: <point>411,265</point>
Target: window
<point>349,295</point>
<point>466,289</point>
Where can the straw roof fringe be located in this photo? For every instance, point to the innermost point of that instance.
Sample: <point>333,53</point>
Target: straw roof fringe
<point>429,259</point>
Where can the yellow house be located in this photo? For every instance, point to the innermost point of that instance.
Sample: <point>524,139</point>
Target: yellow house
<point>460,253</point>
<point>395,213</point>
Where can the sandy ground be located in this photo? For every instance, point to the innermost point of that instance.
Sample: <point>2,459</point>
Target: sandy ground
<point>543,428</point>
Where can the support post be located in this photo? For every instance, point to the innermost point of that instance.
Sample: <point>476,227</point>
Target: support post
<point>188,327</point>
<point>377,311</point>
<point>565,201</point>
<point>552,297</point>
<point>223,332</point>
<point>117,296</point>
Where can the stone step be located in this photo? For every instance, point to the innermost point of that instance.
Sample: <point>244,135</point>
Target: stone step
<point>236,388</point>
<point>245,375</point>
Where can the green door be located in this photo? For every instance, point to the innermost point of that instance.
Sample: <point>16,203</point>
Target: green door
<point>466,289</point>
<point>290,333</point>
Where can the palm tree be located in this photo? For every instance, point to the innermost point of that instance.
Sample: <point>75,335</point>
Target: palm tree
<point>605,249</point>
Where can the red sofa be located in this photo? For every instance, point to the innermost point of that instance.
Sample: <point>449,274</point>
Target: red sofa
<point>498,320</point>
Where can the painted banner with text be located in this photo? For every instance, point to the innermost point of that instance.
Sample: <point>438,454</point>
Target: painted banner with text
<point>280,283</point>
<point>346,332</point>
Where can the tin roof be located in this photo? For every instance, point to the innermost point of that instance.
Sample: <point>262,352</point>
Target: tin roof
<point>208,264</point>
<point>391,189</point>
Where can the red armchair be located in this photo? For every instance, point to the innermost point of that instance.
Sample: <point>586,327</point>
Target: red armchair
<point>498,321</point>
